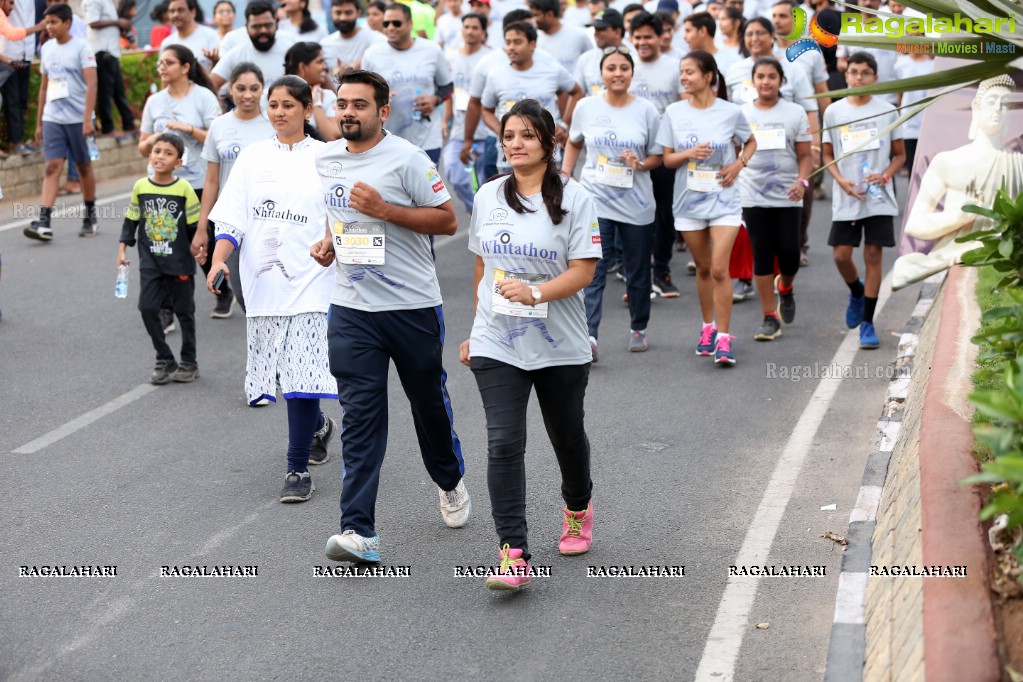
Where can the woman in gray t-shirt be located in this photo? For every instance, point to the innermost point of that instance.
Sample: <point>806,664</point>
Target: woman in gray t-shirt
<point>537,242</point>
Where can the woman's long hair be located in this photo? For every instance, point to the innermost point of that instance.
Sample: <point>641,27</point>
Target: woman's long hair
<point>196,73</point>
<point>552,189</point>
<point>301,92</point>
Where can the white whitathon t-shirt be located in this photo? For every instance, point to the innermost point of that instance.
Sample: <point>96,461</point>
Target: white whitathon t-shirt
<point>796,88</point>
<point>608,132</point>
<point>228,135</point>
<point>657,81</point>
<point>462,67</point>
<point>421,67</point>
<point>542,82</point>
<point>531,243</point>
<point>198,108</point>
<point>567,45</point>
<point>202,38</point>
<point>770,173</point>
<point>272,209</point>
<point>403,175</point>
<point>848,119</point>
<point>64,66</point>
<point>349,50</point>
<point>723,125</point>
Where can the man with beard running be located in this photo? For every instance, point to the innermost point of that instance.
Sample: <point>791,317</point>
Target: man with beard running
<point>263,48</point>
<point>344,48</point>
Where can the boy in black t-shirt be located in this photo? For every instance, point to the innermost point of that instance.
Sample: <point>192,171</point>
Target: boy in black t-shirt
<point>168,211</point>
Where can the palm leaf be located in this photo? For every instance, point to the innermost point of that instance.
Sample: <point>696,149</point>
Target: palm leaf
<point>961,75</point>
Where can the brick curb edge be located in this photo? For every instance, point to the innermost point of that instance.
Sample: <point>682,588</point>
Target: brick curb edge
<point>847,649</point>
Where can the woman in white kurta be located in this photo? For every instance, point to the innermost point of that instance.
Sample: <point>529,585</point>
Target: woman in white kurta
<point>272,209</point>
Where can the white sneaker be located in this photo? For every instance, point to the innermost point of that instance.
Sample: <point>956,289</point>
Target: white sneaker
<point>350,546</point>
<point>455,505</point>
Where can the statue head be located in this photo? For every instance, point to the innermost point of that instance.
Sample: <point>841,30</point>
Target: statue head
<point>989,110</point>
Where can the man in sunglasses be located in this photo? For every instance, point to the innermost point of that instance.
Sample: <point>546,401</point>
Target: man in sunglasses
<point>419,77</point>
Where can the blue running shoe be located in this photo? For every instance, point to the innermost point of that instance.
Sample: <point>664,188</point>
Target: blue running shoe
<point>723,354</point>
<point>708,335</point>
<point>349,546</point>
<point>868,337</point>
<point>854,311</point>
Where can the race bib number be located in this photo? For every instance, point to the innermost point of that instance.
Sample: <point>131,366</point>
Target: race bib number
<point>855,134</point>
<point>503,306</point>
<point>769,136</point>
<point>613,172</point>
<point>57,88</point>
<point>359,243</point>
<point>461,99</point>
<point>702,178</point>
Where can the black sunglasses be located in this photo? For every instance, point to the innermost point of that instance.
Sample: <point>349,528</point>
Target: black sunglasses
<point>395,23</point>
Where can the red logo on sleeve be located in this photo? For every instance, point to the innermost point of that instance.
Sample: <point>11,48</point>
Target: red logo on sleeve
<point>438,186</point>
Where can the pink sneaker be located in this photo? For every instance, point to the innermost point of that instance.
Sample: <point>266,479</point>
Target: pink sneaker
<point>514,573</point>
<point>577,531</point>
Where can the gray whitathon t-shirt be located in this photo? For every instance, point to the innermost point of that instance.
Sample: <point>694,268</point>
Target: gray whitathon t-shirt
<point>421,67</point>
<point>462,67</point>
<point>530,245</point>
<point>683,127</point>
<point>773,168</point>
<point>608,132</point>
<point>498,59</point>
<point>63,66</point>
<point>202,38</point>
<point>271,62</point>
<point>542,82</point>
<point>348,50</point>
<point>657,81</point>
<point>567,45</point>
<point>796,88</point>
<point>850,132</point>
<point>198,108</point>
<point>228,135</point>
<point>403,175</point>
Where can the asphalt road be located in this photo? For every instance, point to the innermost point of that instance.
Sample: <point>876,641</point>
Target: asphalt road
<point>683,452</point>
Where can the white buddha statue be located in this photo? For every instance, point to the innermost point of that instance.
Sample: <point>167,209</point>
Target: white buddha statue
<point>971,174</point>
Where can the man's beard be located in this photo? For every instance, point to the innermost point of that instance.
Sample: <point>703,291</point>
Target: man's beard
<point>345,26</point>
<point>352,134</point>
<point>265,45</point>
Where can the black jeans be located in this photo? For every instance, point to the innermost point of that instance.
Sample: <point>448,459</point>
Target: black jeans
<point>110,87</point>
<point>154,288</point>
<point>15,92</point>
<point>664,221</point>
<point>505,389</point>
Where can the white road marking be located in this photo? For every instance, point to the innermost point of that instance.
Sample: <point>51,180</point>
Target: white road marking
<point>850,603</point>
<point>99,202</point>
<point>867,503</point>
<point>84,420</point>
<point>725,639</point>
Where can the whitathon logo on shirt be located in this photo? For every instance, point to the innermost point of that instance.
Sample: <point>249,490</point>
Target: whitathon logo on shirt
<point>337,197</point>
<point>333,169</point>
<point>610,139</point>
<point>504,245</point>
<point>231,153</point>
<point>268,211</point>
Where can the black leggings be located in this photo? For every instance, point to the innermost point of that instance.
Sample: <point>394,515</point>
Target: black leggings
<point>774,233</point>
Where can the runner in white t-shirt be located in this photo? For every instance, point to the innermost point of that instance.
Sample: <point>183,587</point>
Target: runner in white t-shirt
<point>344,48</point>
<point>566,43</point>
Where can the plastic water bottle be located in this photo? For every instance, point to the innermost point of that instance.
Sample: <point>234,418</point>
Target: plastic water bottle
<point>473,155</point>
<point>90,142</point>
<point>417,115</point>
<point>873,191</point>
<point>121,286</point>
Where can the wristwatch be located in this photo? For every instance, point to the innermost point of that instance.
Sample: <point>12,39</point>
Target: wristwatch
<point>537,294</point>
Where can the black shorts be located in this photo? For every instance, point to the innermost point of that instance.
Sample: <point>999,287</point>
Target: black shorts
<point>877,230</point>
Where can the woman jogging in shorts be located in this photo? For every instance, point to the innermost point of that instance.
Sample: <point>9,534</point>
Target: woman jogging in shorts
<point>771,189</point>
<point>537,242</point>
<point>272,209</point>
<point>700,137</point>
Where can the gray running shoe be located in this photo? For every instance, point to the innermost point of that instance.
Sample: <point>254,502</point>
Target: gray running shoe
<point>187,373</point>
<point>163,373</point>
<point>321,441</point>
<point>298,487</point>
<point>769,330</point>
<point>742,290</point>
<point>638,342</point>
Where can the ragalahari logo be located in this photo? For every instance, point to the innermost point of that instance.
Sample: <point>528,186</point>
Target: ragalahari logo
<point>801,26</point>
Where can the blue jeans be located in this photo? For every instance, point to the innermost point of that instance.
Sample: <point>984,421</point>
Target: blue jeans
<point>489,158</point>
<point>637,241</point>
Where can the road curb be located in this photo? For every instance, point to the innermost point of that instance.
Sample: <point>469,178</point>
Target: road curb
<point>847,648</point>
